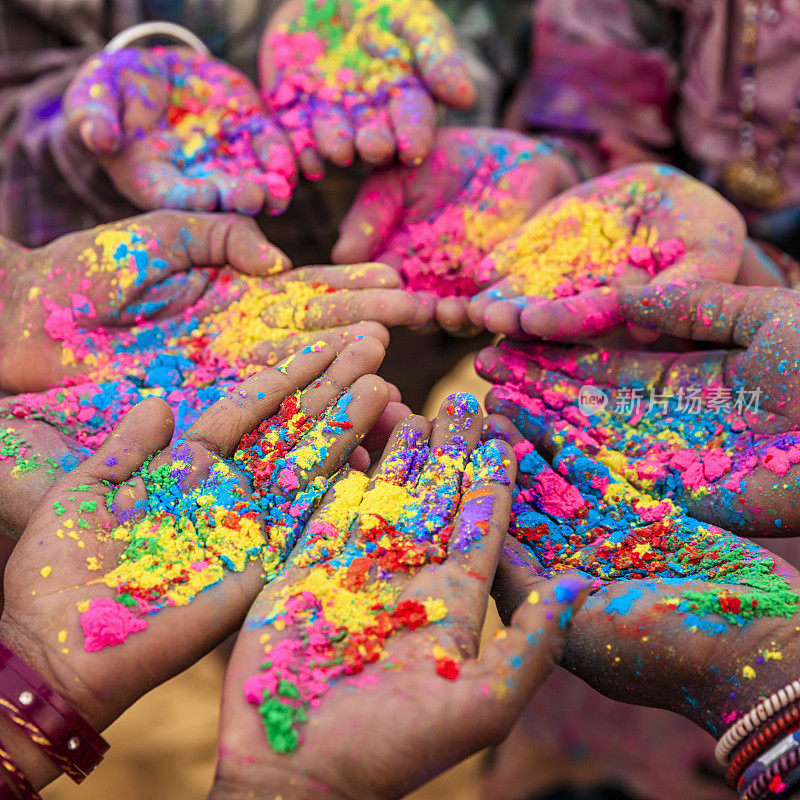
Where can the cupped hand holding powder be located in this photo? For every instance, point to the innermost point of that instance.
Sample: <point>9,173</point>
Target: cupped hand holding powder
<point>717,431</point>
<point>682,616</point>
<point>143,269</point>
<point>558,276</point>
<point>177,129</point>
<point>361,77</point>
<point>105,304</point>
<point>357,668</point>
<point>435,223</point>
<point>149,553</point>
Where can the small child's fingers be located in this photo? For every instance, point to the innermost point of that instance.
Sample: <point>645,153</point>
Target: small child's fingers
<point>413,117</point>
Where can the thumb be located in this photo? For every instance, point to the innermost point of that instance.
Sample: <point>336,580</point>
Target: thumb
<point>374,214</point>
<point>144,431</point>
<point>183,241</point>
<point>521,656</point>
<point>705,310</point>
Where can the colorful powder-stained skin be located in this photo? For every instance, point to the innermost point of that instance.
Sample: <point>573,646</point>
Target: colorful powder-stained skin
<point>582,243</point>
<point>559,275</point>
<point>196,132</point>
<point>473,191</point>
<point>579,514</point>
<point>700,442</point>
<point>347,62</point>
<point>187,534</point>
<point>601,509</point>
<point>339,605</point>
<point>191,359</point>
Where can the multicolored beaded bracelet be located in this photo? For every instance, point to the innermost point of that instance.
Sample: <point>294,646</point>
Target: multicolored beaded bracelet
<point>41,713</point>
<point>765,784</point>
<point>767,759</point>
<point>759,741</point>
<point>754,718</point>
<point>15,786</point>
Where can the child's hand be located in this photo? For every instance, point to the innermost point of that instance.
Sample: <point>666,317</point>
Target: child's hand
<point>176,129</point>
<point>434,223</point>
<point>361,76</point>
<point>683,616</point>
<point>105,304</point>
<point>357,667</point>
<point>646,224</point>
<point>149,554</point>
<point>716,431</point>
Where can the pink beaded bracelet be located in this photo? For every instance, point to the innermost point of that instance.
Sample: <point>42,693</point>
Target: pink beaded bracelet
<point>41,713</point>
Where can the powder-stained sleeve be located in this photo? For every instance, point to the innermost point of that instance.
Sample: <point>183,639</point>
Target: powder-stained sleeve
<point>602,66</point>
<point>48,185</point>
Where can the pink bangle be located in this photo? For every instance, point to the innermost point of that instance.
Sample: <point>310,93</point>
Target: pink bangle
<point>15,786</point>
<point>41,713</point>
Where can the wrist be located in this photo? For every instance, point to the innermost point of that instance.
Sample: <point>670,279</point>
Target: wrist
<point>754,675</point>
<point>37,767</point>
<point>257,780</point>
<point>54,668</point>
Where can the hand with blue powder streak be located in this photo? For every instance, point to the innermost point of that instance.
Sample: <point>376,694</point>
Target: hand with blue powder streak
<point>178,129</point>
<point>377,619</point>
<point>102,304</point>
<point>149,554</point>
<point>716,431</point>
<point>682,615</point>
<point>145,268</point>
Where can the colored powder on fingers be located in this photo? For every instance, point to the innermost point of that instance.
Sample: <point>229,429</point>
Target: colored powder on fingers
<point>329,66</point>
<point>336,620</point>
<point>190,529</point>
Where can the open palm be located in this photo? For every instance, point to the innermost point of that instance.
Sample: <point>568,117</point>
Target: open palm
<point>716,431</point>
<point>436,221</point>
<point>177,129</point>
<point>683,615</point>
<point>558,275</point>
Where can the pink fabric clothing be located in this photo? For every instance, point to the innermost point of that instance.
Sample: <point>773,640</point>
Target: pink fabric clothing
<point>664,72</point>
